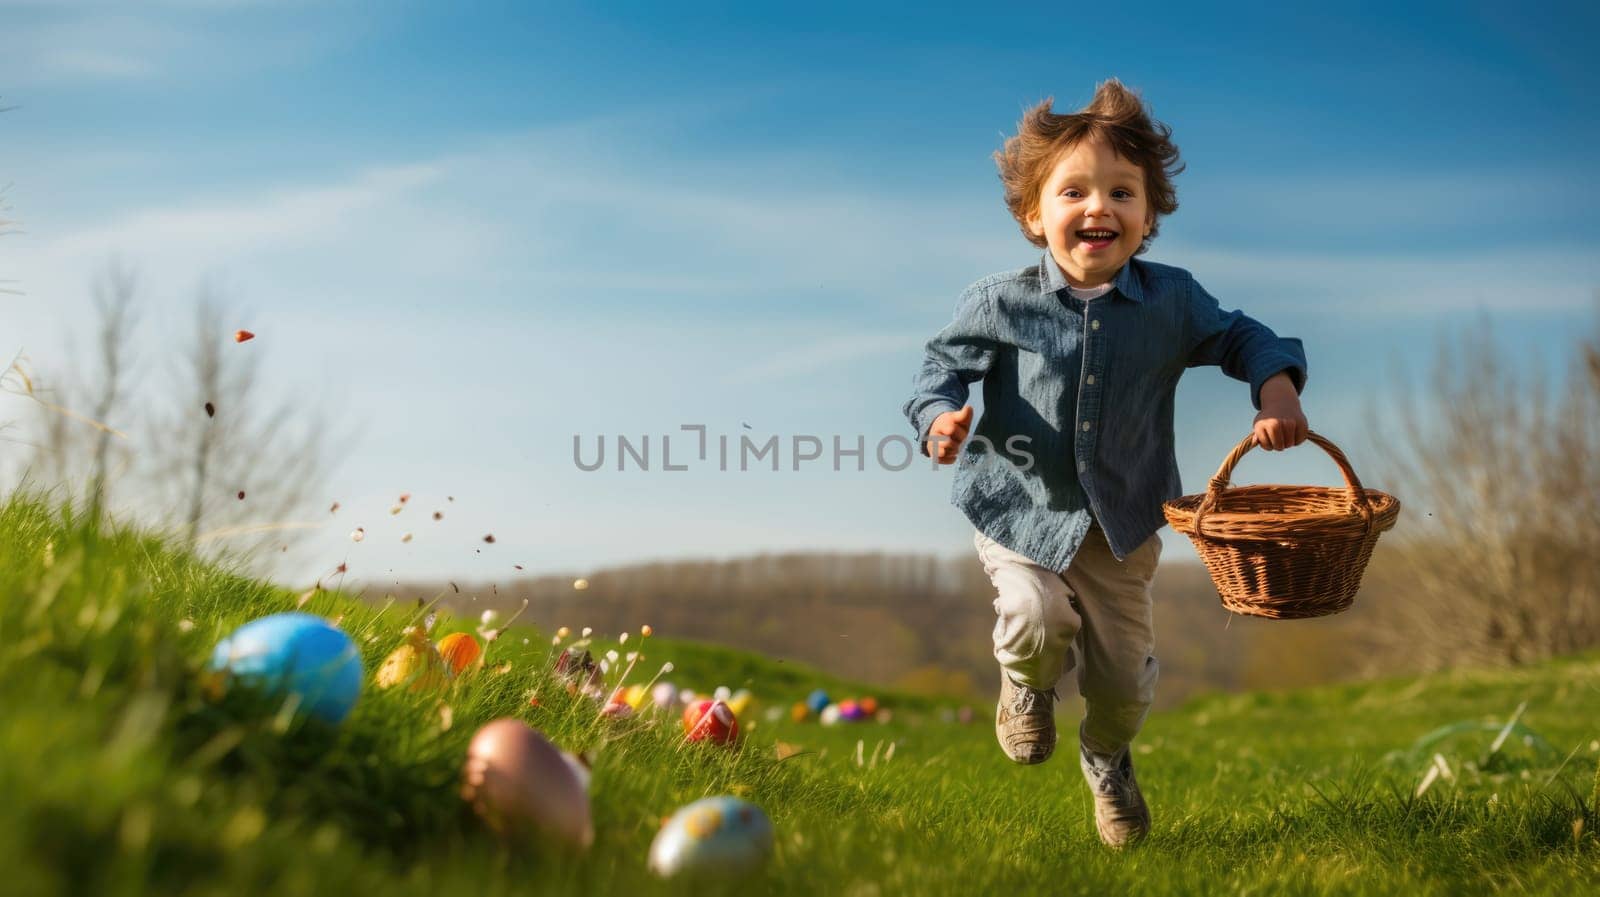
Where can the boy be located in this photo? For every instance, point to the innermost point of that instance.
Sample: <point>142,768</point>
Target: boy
<point>1068,467</point>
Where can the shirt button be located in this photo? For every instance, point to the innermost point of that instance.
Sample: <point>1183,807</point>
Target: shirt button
<point>1095,324</point>
<point>1090,380</point>
<point>1082,465</point>
<point>1086,426</point>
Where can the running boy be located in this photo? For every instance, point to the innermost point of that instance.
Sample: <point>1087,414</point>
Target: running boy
<point>1065,473</point>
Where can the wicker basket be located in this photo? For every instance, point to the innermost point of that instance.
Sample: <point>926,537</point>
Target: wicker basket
<point>1284,552</point>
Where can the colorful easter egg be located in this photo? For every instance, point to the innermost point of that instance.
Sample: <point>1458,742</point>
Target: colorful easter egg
<point>665,694</point>
<point>710,721</point>
<point>799,711</point>
<point>869,705</point>
<point>829,715</point>
<point>635,696</point>
<point>299,654</point>
<point>714,836</point>
<point>850,711</point>
<point>460,650</point>
<point>617,705</point>
<point>523,787</point>
<point>722,693</point>
<point>739,702</point>
<point>817,700</point>
<point>416,662</point>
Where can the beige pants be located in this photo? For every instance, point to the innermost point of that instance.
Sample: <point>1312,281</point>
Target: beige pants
<point>1095,617</point>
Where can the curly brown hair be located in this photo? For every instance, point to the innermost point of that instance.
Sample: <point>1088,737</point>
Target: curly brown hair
<point>1116,115</point>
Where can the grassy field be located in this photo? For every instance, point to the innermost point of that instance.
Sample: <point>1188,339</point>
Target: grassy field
<point>120,775</point>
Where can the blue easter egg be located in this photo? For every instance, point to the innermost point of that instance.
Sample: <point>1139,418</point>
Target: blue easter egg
<point>712,836</point>
<point>817,700</point>
<point>299,654</point>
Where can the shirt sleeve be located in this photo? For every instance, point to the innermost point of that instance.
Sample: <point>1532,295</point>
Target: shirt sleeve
<point>959,354</point>
<point>1243,347</point>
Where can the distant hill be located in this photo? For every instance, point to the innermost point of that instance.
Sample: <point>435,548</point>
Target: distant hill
<point>915,622</point>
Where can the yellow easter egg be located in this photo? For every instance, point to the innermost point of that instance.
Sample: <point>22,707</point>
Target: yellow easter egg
<point>416,662</point>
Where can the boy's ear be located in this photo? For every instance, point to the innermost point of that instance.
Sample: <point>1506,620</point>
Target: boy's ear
<point>1035,223</point>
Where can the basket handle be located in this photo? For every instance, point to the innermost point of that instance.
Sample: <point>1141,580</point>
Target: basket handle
<point>1358,496</point>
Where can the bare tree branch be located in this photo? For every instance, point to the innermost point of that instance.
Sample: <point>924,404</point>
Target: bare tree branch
<point>220,438</point>
<point>75,448</point>
<point>1500,473</point>
<point>113,300</point>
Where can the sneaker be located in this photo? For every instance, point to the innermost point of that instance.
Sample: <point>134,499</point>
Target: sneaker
<point>1025,721</point>
<point>1120,813</point>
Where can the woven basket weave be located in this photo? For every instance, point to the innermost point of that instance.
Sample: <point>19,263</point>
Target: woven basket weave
<point>1284,552</point>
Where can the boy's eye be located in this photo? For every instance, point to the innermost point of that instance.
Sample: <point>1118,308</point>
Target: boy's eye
<point>1070,193</point>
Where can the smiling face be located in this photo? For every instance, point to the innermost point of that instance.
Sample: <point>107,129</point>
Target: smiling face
<point>1093,213</point>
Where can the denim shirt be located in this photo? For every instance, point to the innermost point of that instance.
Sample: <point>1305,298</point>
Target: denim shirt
<point>1077,399</point>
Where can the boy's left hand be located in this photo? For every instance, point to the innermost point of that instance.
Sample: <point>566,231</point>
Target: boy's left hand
<point>1280,424</point>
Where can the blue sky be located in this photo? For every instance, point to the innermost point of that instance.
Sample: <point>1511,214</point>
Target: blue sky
<point>477,230</point>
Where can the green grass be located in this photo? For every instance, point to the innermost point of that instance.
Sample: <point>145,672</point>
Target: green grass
<point>119,774</point>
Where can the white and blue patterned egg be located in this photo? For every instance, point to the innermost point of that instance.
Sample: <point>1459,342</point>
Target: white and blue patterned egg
<point>713,836</point>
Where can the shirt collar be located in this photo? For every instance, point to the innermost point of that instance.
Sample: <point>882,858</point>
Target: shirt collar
<point>1053,281</point>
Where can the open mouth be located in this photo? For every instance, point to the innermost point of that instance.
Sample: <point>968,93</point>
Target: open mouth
<point>1096,236</point>
<point>1097,239</point>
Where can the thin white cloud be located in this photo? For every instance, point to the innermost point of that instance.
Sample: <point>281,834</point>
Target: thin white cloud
<point>216,232</point>
<point>827,352</point>
<point>69,44</point>
<point>756,224</point>
<point>91,63</point>
<point>90,47</point>
<point>1414,285</point>
<point>1394,204</point>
